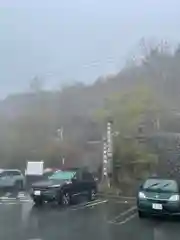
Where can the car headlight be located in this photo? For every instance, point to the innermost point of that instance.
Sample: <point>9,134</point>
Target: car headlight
<point>174,198</point>
<point>68,182</point>
<point>141,195</point>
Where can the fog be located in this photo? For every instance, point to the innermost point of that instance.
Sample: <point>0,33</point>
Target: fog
<point>68,41</point>
<point>73,65</point>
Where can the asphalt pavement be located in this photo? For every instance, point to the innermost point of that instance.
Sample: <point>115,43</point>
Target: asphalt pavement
<point>101,219</point>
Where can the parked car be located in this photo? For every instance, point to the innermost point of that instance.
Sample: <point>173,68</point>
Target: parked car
<point>63,186</point>
<point>158,197</point>
<point>12,179</point>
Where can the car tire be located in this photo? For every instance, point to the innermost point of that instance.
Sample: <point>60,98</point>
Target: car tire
<point>38,202</point>
<point>65,199</point>
<point>92,195</point>
<point>141,214</point>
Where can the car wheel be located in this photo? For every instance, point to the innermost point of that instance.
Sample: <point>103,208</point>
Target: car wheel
<point>141,214</point>
<point>92,195</point>
<point>66,199</point>
<point>38,202</point>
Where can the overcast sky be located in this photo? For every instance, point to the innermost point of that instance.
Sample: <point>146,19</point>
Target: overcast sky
<point>63,41</point>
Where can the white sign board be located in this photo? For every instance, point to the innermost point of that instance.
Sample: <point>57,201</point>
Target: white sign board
<point>35,168</point>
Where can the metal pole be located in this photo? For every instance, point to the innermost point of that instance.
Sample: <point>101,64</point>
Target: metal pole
<point>61,138</point>
<point>60,133</point>
<point>109,151</point>
<point>63,161</point>
<point>158,123</point>
<point>108,155</point>
<point>104,168</point>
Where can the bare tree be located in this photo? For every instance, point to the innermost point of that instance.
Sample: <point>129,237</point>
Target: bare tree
<point>36,84</point>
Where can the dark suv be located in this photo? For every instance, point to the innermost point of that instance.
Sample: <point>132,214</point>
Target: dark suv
<point>63,186</point>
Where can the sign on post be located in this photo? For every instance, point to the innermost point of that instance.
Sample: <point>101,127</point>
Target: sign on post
<point>35,168</point>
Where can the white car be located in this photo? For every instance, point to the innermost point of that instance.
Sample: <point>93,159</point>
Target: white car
<point>12,178</point>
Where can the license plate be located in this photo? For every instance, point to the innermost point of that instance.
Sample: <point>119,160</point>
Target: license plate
<point>157,206</point>
<point>37,193</point>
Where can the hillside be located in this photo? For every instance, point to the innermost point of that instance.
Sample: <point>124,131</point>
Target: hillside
<point>29,121</point>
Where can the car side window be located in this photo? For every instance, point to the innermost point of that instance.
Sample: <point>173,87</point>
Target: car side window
<point>17,173</point>
<point>14,173</point>
<point>8,174</point>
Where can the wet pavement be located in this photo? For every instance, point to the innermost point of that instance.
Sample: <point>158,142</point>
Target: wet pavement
<point>100,219</point>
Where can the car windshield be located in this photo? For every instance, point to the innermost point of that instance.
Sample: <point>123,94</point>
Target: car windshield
<point>161,185</point>
<point>62,175</point>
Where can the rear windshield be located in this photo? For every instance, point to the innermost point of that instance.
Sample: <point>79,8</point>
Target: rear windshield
<point>161,185</point>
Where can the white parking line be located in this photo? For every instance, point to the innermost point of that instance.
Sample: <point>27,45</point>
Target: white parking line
<point>125,220</point>
<point>11,203</point>
<point>97,203</point>
<point>117,197</point>
<point>26,200</point>
<point>122,202</point>
<point>122,214</point>
<point>7,201</point>
<point>6,198</point>
<point>84,203</point>
<point>89,204</point>
<point>115,219</point>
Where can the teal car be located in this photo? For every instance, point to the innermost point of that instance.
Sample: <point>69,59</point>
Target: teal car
<point>158,197</point>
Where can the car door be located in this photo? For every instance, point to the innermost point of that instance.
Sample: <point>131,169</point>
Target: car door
<point>87,182</point>
<point>77,186</point>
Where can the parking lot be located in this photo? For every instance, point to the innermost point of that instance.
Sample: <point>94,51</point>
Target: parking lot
<point>100,219</point>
